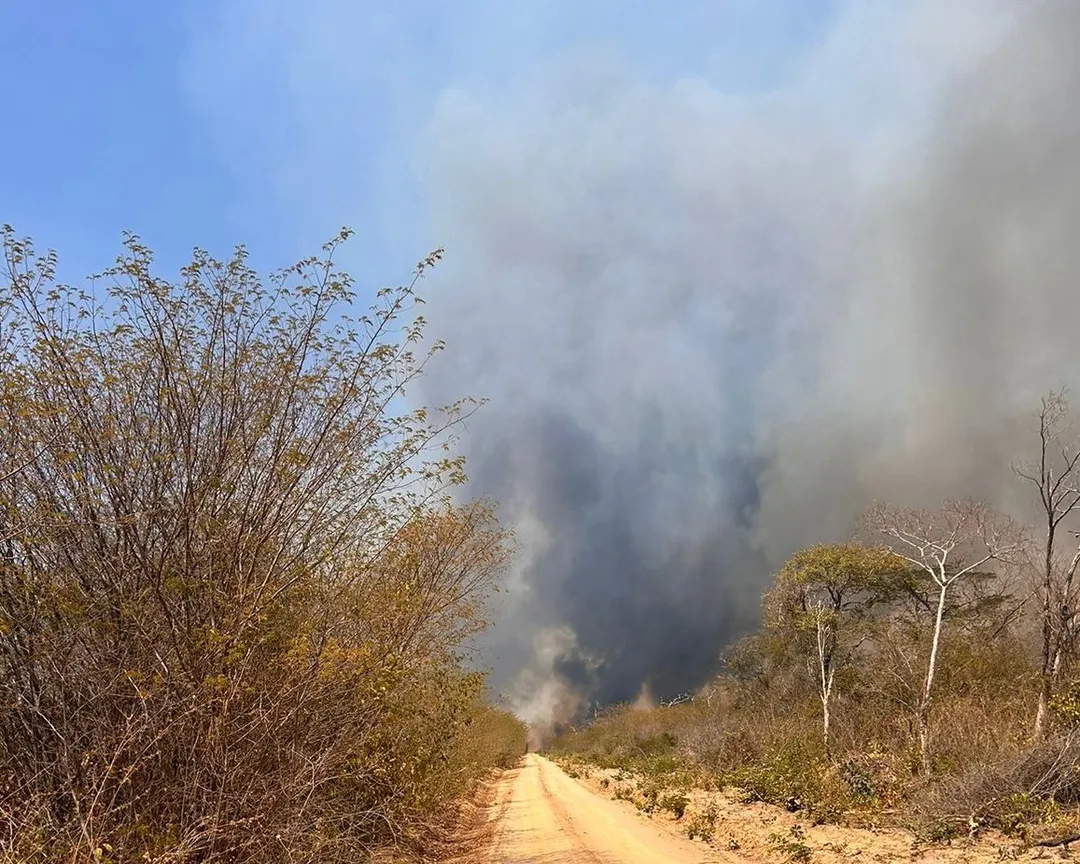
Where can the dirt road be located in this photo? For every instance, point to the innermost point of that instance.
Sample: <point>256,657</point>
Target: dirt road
<point>546,817</point>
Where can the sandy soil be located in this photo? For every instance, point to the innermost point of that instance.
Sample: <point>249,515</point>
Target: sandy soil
<point>545,817</point>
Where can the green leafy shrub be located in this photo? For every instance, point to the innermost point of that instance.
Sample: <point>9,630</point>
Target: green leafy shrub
<point>788,773</point>
<point>703,825</point>
<point>942,831</point>
<point>792,845</point>
<point>1065,706</point>
<point>1023,811</point>
<point>675,803</point>
<point>650,793</point>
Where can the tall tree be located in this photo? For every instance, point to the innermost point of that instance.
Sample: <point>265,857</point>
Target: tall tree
<point>957,541</point>
<point>823,599</point>
<point>1055,474</point>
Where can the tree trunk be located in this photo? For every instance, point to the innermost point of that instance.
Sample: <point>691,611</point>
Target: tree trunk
<point>1056,643</point>
<point>1045,683</point>
<point>826,675</point>
<point>826,715</point>
<point>1042,709</point>
<point>931,669</point>
<point>924,738</point>
<point>825,724</point>
<point>1050,685</point>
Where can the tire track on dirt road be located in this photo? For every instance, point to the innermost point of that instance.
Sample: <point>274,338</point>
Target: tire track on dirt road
<point>548,818</point>
<point>563,818</point>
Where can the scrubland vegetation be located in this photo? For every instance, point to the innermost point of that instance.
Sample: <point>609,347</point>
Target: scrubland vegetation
<point>235,598</point>
<point>237,603</point>
<point>921,675</point>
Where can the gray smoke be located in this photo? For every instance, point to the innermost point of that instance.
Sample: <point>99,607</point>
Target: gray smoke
<point>713,328</point>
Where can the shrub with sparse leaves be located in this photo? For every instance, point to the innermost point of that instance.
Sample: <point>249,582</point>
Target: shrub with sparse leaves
<point>234,592</point>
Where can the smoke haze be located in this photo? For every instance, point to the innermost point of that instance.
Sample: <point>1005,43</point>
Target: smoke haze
<point>713,327</point>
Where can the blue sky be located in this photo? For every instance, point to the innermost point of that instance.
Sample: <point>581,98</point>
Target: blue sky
<point>272,123</point>
<point>103,137</point>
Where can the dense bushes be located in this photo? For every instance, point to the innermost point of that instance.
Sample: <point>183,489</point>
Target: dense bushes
<point>921,672</point>
<point>235,600</point>
<point>760,732</point>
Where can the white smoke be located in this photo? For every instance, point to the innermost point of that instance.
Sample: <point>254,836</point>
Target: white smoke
<point>711,325</point>
<point>713,328</point>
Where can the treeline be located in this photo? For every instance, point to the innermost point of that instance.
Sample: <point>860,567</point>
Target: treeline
<point>923,670</point>
<point>236,601</point>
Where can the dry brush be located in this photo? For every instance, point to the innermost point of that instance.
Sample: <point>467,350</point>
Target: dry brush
<point>235,596</point>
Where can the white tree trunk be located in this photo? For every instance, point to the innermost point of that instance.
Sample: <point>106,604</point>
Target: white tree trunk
<point>826,700</point>
<point>826,675</point>
<point>931,669</point>
<point>1040,713</point>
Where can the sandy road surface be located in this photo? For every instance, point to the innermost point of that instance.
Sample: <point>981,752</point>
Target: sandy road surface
<point>545,817</point>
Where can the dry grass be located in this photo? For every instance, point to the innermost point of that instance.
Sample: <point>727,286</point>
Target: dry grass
<point>763,736</point>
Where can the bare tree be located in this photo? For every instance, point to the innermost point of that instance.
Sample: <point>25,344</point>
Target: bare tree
<point>950,544</point>
<point>1055,473</point>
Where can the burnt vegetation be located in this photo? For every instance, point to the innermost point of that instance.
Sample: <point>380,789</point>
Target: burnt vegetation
<point>236,599</point>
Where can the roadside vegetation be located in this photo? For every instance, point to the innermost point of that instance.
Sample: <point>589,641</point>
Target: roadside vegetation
<point>921,675</point>
<point>236,600</point>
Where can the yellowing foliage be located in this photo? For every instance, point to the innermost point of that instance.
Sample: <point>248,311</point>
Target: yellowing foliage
<point>234,590</point>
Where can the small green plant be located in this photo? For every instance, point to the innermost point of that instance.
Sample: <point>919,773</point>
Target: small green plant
<point>1066,706</point>
<point>859,781</point>
<point>791,845</point>
<point>790,773</point>
<point>650,794</point>
<point>675,804</point>
<point>703,825</point>
<point>1022,810</point>
<point>942,832</point>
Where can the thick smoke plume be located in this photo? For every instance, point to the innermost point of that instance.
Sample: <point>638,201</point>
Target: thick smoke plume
<point>712,328</point>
